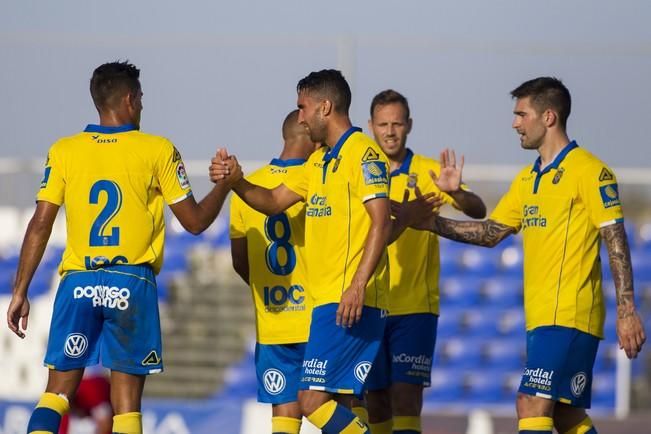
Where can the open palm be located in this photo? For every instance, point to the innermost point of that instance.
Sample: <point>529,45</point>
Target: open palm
<point>449,179</point>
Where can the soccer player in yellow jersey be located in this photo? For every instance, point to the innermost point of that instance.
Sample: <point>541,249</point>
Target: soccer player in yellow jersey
<point>113,181</point>
<point>345,186</point>
<point>269,254</point>
<point>565,204</point>
<point>404,363</point>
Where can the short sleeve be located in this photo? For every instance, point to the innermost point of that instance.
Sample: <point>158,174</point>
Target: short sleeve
<point>298,179</point>
<point>599,192</point>
<point>53,184</point>
<point>370,175</point>
<point>509,210</point>
<point>237,228</point>
<point>171,174</point>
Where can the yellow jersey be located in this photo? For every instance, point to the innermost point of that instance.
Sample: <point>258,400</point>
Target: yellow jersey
<point>276,255</point>
<point>414,256</point>
<point>113,182</point>
<point>560,209</point>
<point>335,184</point>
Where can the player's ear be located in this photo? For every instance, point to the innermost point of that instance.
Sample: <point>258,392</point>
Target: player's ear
<point>409,125</point>
<point>370,124</point>
<point>326,107</point>
<point>550,118</point>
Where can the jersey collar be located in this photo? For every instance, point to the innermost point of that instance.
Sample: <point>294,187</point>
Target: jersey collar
<point>92,128</point>
<point>333,153</point>
<point>406,164</point>
<point>557,161</point>
<point>287,163</point>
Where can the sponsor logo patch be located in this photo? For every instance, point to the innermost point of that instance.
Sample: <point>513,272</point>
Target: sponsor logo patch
<point>578,383</point>
<point>370,155</point>
<point>76,345</point>
<point>111,297</point>
<point>182,176</point>
<point>46,176</point>
<point>609,195</point>
<point>557,177</point>
<point>151,359</point>
<point>361,371</point>
<point>274,381</point>
<point>375,173</point>
<point>606,175</point>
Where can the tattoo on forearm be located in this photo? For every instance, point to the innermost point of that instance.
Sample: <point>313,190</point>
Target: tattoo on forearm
<point>619,256</point>
<point>486,233</point>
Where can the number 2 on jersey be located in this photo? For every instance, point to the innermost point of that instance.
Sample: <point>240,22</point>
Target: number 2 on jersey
<point>279,242</point>
<point>98,236</point>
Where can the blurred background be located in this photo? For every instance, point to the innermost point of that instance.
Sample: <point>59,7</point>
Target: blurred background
<point>224,74</point>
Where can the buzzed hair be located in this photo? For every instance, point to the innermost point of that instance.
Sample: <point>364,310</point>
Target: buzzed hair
<point>389,96</point>
<point>547,93</point>
<point>111,81</point>
<point>291,125</point>
<point>328,84</point>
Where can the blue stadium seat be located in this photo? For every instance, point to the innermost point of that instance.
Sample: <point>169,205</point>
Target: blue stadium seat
<point>484,387</point>
<point>603,390</point>
<point>176,258</point>
<point>447,385</point>
<point>479,261</point>
<point>450,253</point>
<point>459,353</point>
<point>641,264</point>
<point>460,291</point>
<point>510,261</point>
<point>504,354</point>
<point>511,323</point>
<point>503,292</point>
<point>449,323</point>
<point>480,323</point>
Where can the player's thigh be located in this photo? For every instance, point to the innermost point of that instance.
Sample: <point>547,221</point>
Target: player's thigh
<point>131,338</point>
<point>411,339</point>
<point>278,370</point>
<point>338,359</point>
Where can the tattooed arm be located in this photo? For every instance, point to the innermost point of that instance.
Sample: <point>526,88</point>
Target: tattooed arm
<point>487,233</point>
<point>630,330</point>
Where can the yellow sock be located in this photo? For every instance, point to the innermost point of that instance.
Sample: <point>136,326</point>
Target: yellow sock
<point>542,423</point>
<point>127,423</point>
<point>285,425</point>
<point>406,423</point>
<point>385,427</point>
<point>322,415</point>
<point>58,403</point>
<point>361,413</point>
<point>583,428</point>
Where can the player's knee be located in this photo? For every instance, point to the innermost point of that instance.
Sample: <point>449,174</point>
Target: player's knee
<point>406,399</point>
<point>379,404</point>
<point>533,406</point>
<point>309,402</point>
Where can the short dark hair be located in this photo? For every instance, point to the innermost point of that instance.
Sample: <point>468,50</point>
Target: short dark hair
<point>112,80</point>
<point>329,84</point>
<point>547,93</point>
<point>389,96</point>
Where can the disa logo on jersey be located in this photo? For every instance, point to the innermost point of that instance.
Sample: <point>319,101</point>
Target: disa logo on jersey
<point>375,172</point>
<point>609,195</point>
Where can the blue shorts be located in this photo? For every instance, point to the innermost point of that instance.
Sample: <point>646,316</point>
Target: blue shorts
<point>406,353</point>
<point>338,359</point>
<point>109,313</point>
<point>559,365</point>
<point>278,368</point>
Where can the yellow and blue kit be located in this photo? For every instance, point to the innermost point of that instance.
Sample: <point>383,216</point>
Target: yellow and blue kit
<point>277,277</point>
<point>560,210</point>
<point>113,183</point>
<point>335,184</point>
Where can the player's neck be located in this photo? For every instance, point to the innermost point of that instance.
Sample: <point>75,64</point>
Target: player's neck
<point>114,119</point>
<point>336,129</point>
<point>396,162</point>
<point>552,147</point>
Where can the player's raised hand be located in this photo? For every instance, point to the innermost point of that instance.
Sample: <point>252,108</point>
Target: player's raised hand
<point>630,333</point>
<point>17,315</point>
<point>350,307</point>
<point>449,180</point>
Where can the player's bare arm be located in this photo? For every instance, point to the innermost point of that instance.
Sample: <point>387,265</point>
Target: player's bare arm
<point>449,181</point>
<point>240,257</point>
<point>630,330</point>
<point>197,217</point>
<point>352,299</point>
<point>36,238</point>
<point>486,233</point>
<point>267,201</point>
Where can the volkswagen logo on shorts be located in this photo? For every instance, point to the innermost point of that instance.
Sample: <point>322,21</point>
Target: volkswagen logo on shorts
<point>274,381</point>
<point>578,384</point>
<point>76,345</point>
<point>361,371</point>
